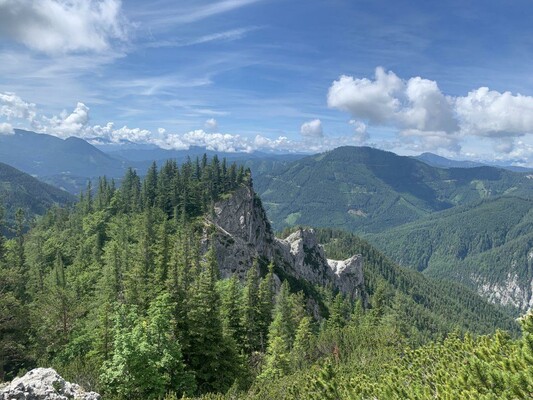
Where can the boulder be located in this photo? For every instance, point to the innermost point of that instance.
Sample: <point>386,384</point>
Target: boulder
<point>44,384</point>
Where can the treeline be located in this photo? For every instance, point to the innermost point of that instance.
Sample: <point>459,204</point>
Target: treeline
<point>121,293</point>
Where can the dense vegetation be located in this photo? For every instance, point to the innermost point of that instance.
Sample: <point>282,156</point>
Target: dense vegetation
<point>360,189</point>
<point>22,191</point>
<point>487,242</point>
<point>121,293</point>
<point>370,363</point>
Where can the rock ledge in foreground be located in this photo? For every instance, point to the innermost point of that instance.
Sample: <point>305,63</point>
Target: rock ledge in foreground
<point>44,384</point>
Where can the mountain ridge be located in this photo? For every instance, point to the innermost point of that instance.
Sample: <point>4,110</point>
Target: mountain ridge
<point>20,190</point>
<point>361,189</point>
<point>486,245</point>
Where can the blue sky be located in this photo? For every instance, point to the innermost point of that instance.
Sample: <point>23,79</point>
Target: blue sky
<point>244,75</point>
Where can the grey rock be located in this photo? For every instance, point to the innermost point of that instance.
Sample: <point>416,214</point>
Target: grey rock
<point>243,234</point>
<point>44,384</point>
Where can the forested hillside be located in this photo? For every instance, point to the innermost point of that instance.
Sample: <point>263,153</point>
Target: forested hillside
<point>122,294</point>
<point>361,189</point>
<point>486,245</point>
<point>22,191</point>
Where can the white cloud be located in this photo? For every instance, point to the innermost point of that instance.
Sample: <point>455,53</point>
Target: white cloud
<point>427,109</point>
<point>12,106</point>
<point>217,141</point>
<point>388,100</point>
<point>312,129</point>
<point>360,131</point>
<point>124,134</point>
<point>427,119</point>
<point>6,129</point>
<point>211,124</point>
<point>230,35</point>
<point>161,131</point>
<point>191,12</point>
<point>375,101</point>
<point>485,112</point>
<point>62,26</point>
<point>66,125</point>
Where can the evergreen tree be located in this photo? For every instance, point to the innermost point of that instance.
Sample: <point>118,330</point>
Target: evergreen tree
<point>250,311</point>
<point>301,354</point>
<point>209,355</point>
<point>265,306</point>
<point>147,360</point>
<point>149,187</point>
<point>231,310</point>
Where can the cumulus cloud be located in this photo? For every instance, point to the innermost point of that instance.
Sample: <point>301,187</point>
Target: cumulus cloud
<point>217,141</point>
<point>211,124</point>
<point>360,131</point>
<point>62,26</point>
<point>124,134</point>
<point>388,100</point>
<point>72,124</point>
<point>12,106</point>
<point>312,129</point>
<point>6,128</point>
<point>490,113</point>
<point>429,119</point>
<point>375,101</point>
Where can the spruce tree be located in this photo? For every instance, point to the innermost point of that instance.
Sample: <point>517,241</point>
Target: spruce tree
<point>209,355</point>
<point>265,306</point>
<point>250,311</point>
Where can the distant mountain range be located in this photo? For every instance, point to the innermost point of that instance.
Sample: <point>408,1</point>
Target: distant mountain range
<point>451,219</point>
<point>361,189</point>
<point>70,163</point>
<point>441,162</point>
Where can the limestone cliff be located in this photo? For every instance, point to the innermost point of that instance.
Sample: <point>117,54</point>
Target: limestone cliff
<point>243,234</point>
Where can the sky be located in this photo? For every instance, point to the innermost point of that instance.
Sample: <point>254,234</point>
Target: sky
<point>449,77</point>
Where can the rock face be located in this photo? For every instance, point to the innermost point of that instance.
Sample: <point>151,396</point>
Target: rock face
<point>243,234</point>
<point>44,384</point>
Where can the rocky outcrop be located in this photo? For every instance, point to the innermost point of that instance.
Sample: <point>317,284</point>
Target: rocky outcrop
<point>243,234</point>
<point>510,292</point>
<point>44,384</point>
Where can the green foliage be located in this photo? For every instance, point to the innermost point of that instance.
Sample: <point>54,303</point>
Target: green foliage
<point>22,191</point>
<point>485,242</point>
<point>147,360</point>
<point>119,293</point>
<point>361,189</point>
<point>423,305</point>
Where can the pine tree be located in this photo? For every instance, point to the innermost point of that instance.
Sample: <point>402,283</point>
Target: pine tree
<point>149,187</point>
<point>147,360</point>
<point>301,354</point>
<point>230,310</point>
<point>280,337</point>
<point>209,354</point>
<point>265,306</point>
<point>250,311</point>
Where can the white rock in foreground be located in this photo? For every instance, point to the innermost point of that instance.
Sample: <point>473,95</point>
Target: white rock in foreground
<point>44,384</point>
